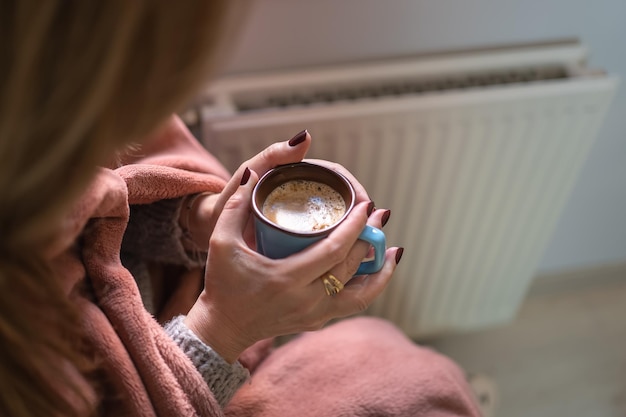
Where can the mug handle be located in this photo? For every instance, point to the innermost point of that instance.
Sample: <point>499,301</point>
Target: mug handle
<point>376,238</point>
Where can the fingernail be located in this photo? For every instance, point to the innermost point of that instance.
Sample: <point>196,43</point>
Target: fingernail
<point>370,208</point>
<point>399,253</point>
<point>298,139</point>
<point>245,177</point>
<point>385,218</point>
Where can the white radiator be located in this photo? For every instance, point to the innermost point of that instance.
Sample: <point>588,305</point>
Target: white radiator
<point>474,153</point>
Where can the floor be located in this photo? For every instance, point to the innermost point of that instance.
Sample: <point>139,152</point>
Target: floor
<point>565,355</point>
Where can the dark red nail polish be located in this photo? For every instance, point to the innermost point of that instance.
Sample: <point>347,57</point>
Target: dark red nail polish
<point>385,218</point>
<point>245,177</point>
<point>370,208</point>
<point>399,253</point>
<point>298,139</point>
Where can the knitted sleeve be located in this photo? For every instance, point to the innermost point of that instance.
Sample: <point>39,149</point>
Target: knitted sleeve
<point>153,234</point>
<point>223,378</point>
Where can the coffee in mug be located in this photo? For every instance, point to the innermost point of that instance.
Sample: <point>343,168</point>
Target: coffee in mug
<point>304,206</point>
<point>298,204</point>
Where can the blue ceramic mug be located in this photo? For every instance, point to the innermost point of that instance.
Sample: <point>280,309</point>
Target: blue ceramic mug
<point>276,241</point>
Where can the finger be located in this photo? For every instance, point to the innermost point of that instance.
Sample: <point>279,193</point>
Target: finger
<point>233,220</point>
<point>279,153</point>
<point>320,257</point>
<point>345,270</point>
<point>358,295</point>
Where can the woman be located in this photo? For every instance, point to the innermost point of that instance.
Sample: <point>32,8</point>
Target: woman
<point>90,160</point>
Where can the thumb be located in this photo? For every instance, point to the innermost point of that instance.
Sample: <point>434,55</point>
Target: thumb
<point>281,153</point>
<point>278,153</point>
<point>236,212</point>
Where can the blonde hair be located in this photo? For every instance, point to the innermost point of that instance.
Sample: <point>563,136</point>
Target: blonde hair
<point>78,80</point>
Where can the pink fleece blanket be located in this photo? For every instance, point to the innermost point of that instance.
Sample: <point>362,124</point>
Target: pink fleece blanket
<point>362,367</point>
<point>145,373</point>
<point>356,368</point>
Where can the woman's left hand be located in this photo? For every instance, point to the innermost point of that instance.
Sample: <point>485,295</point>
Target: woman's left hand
<point>206,208</point>
<point>197,218</point>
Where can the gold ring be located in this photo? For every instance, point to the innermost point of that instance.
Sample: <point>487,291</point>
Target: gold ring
<point>332,285</point>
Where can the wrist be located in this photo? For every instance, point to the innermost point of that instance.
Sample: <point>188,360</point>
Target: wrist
<point>216,331</point>
<point>196,219</point>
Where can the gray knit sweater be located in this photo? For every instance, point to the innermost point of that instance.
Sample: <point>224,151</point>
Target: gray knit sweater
<point>153,235</point>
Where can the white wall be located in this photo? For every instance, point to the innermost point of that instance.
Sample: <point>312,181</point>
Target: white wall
<point>296,33</point>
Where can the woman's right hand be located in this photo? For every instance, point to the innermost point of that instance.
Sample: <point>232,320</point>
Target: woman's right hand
<point>249,297</point>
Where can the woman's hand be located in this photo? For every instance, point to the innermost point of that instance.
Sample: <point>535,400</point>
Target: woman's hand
<point>197,220</point>
<point>200,217</point>
<point>249,297</point>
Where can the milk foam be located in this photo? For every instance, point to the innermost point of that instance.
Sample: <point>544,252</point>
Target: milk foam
<point>304,206</point>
